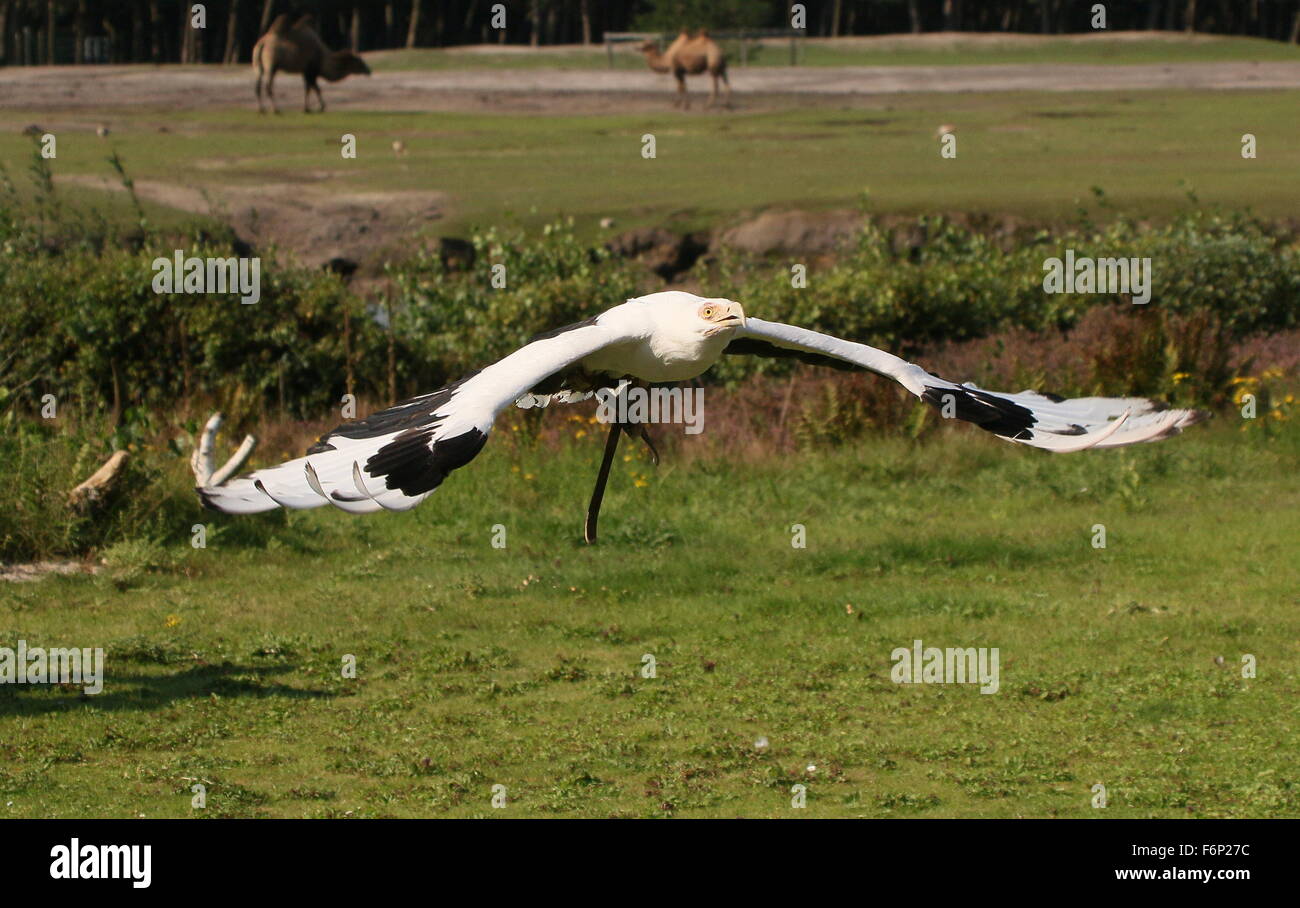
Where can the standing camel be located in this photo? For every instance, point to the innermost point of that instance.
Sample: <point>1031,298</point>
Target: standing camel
<point>688,56</point>
<point>298,49</point>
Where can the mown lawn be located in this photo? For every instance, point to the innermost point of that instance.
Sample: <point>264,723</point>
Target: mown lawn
<point>1036,155</point>
<point>899,50</point>
<point>480,666</point>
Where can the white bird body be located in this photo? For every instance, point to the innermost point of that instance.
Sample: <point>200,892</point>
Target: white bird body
<point>394,459</point>
<point>659,348</point>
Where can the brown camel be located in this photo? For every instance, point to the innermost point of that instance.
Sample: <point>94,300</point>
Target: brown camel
<point>688,56</point>
<point>298,49</point>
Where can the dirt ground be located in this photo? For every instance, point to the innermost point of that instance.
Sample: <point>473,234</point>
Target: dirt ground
<point>317,225</point>
<point>570,91</point>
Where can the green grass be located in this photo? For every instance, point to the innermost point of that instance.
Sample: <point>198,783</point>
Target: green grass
<point>1032,155</point>
<point>520,666</point>
<point>885,51</point>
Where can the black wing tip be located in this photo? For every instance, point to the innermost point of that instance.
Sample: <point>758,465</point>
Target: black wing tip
<point>988,411</point>
<point>409,464</point>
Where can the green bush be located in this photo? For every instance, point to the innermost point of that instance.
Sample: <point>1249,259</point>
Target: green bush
<point>959,284</point>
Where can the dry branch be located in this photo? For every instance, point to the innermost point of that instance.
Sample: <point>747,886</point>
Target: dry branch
<point>98,485</point>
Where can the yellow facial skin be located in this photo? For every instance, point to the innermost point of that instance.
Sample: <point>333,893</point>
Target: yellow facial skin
<point>724,314</point>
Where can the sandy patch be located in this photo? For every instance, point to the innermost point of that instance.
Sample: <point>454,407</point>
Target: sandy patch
<point>18,573</point>
<point>308,220</point>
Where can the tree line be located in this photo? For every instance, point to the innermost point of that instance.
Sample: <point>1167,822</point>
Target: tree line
<point>35,32</point>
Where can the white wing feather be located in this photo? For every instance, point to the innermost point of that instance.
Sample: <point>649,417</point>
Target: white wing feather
<point>394,459</point>
<point>1028,417</point>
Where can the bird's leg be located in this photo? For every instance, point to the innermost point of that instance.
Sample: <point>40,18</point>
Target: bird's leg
<point>640,431</point>
<point>598,494</point>
<point>633,429</point>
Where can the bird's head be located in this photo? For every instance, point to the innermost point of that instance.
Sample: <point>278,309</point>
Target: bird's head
<point>718,315</point>
<point>690,319</point>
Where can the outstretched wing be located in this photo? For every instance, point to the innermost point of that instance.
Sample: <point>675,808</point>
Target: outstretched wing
<point>1029,417</point>
<point>567,386</point>
<point>393,460</point>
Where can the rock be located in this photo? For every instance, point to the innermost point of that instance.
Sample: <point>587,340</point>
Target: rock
<point>341,266</point>
<point>665,253</point>
<point>456,254</point>
<point>634,242</point>
<point>793,232</point>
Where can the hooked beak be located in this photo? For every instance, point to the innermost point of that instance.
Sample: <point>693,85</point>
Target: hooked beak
<point>735,317</point>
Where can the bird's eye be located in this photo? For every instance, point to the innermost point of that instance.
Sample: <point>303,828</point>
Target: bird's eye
<point>707,312</point>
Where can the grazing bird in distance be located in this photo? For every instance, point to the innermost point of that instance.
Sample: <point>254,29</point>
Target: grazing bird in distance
<point>394,459</point>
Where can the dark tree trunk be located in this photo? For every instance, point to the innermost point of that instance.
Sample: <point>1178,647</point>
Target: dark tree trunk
<point>413,27</point>
<point>231,53</point>
<point>267,7</point>
<point>155,32</point>
<point>137,34</point>
<point>585,12</point>
<point>354,33</point>
<point>79,33</point>
<point>187,35</point>
<point>914,16</point>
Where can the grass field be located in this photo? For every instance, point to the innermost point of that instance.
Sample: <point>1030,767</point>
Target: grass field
<point>932,50</point>
<point>520,666</point>
<point>1032,155</point>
